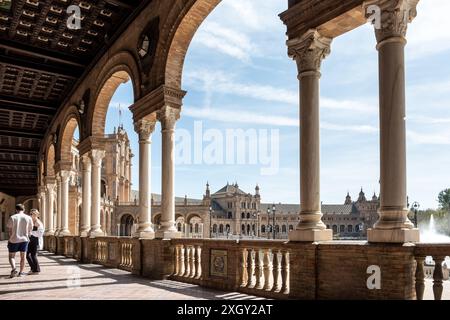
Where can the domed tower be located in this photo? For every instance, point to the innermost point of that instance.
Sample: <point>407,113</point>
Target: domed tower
<point>362,196</point>
<point>374,198</point>
<point>257,191</point>
<point>348,199</point>
<point>208,191</point>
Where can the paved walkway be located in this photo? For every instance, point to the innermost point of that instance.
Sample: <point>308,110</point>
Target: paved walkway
<point>65,279</point>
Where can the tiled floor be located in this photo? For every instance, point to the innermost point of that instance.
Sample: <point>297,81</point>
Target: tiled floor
<point>63,278</point>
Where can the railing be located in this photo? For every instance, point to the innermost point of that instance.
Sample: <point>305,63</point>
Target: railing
<point>265,268</point>
<point>126,254</point>
<point>188,260</point>
<point>438,252</point>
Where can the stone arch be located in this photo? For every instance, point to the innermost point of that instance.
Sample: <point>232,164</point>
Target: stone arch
<point>191,216</point>
<point>126,225</point>
<point>119,69</point>
<point>181,37</point>
<point>70,123</point>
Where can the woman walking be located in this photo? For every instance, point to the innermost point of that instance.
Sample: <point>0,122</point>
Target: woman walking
<point>36,242</point>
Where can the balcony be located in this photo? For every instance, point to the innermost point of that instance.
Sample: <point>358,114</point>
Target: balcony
<point>271,268</point>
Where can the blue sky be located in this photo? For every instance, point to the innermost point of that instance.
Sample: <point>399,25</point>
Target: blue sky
<point>238,76</point>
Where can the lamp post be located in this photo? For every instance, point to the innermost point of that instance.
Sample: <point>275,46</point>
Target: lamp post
<point>269,226</point>
<point>210,218</point>
<point>415,207</point>
<point>273,229</point>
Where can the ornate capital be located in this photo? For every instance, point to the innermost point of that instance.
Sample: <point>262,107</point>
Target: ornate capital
<point>51,186</point>
<point>97,157</point>
<point>168,117</point>
<point>144,128</point>
<point>64,176</point>
<point>390,18</point>
<point>309,50</point>
<point>86,161</point>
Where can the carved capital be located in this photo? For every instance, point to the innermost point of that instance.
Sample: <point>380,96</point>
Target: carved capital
<point>309,50</point>
<point>390,18</point>
<point>144,128</point>
<point>51,187</point>
<point>86,162</point>
<point>64,175</point>
<point>97,157</point>
<point>168,116</point>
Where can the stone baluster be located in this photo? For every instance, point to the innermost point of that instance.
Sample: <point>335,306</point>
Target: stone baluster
<point>267,269</point>
<point>259,272</point>
<point>182,266</point>
<point>193,262</point>
<point>438,277</point>
<point>177,260</point>
<point>285,269</point>
<point>188,262</point>
<point>199,262</point>
<point>420,277</point>
<point>244,272</point>
<point>250,269</point>
<point>276,269</point>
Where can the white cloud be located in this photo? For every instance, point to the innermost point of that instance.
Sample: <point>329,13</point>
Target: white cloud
<point>220,82</point>
<point>434,138</point>
<point>428,120</point>
<point>349,128</point>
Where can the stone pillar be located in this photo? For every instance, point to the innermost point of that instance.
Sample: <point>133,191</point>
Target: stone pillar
<point>49,231</point>
<point>43,205</point>
<point>393,225</point>
<point>96,159</point>
<point>144,129</point>
<point>58,204</point>
<point>168,117</point>
<point>86,189</point>
<point>309,50</point>
<point>64,228</point>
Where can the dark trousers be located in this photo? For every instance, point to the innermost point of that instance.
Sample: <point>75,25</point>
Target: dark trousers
<point>32,254</point>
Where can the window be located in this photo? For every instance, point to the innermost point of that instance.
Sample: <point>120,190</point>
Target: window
<point>243,229</point>
<point>291,227</point>
<point>283,229</point>
<point>230,205</point>
<point>335,229</point>
<point>179,227</point>
<point>230,215</point>
<point>341,228</point>
<point>263,229</point>
<point>196,228</point>
<point>248,215</point>
<point>215,228</point>
<point>350,228</point>
<point>243,215</point>
<point>277,228</point>
<point>221,229</point>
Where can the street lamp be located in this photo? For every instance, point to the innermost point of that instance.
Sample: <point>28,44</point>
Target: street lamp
<point>210,218</point>
<point>273,212</point>
<point>269,226</point>
<point>415,207</point>
<point>256,215</point>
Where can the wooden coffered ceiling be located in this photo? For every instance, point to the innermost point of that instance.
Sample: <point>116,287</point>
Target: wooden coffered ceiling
<point>41,60</point>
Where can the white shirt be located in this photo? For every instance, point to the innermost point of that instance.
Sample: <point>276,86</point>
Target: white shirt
<point>39,234</point>
<point>21,226</point>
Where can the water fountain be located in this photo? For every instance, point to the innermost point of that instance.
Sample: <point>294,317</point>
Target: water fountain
<point>430,235</point>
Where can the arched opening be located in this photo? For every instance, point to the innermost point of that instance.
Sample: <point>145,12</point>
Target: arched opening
<point>263,229</point>
<point>335,229</point>
<point>283,229</point>
<point>221,229</point>
<point>126,225</point>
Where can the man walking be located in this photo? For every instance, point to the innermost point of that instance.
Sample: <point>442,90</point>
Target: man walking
<point>19,226</point>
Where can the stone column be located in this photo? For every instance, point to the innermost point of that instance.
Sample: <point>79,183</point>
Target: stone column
<point>309,50</point>
<point>86,189</point>
<point>168,117</point>
<point>43,205</point>
<point>64,227</point>
<point>144,129</point>
<point>49,231</point>
<point>393,224</point>
<point>58,204</point>
<point>96,159</point>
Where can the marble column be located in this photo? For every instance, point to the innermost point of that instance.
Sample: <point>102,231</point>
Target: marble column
<point>168,117</point>
<point>64,228</point>
<point>308,51</point>
<point>96,160</point>
<point>58,204</point>
<point>43,205</point>
<point>86,189</point>
<point>49,231</point>
<point>144,129</point>
<point>393,225</point>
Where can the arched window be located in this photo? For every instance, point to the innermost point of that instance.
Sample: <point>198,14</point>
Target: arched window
<point>248,229</point>
<point>248,215</point>
<point>230,215</point>
<point>179,226</point>
<point>341,228</point>
<point>335,230</point>
<point>243,215</point>
<point>328,226</point>
<point>215,228</point>
<point>254,229</point>
<point>277,228</point>
<point>103,189</point>
<point>243,229</point>
<point>228,228</point>
<point>350,228</point>
<point>291,227</point>
<point>221,229</point>
<point>263,229</point>
<point>196,228</point>
<point>283,229</point>
<point>190,228</point>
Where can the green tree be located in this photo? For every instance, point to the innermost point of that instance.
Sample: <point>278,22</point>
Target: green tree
<point>444,200</point>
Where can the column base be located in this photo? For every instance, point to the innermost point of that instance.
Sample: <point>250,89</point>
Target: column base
<point>64,233</point>
<point>96,234</point>
<point>311,235</point>
<point>84,234</point>
<point>144,235</point>
<point>393,235</point>
<point>168,235</point>
<point>49,233</point>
